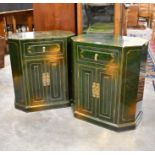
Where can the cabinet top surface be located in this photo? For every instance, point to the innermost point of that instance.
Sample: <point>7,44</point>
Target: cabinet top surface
<point>110,40</point>
<point>41,35</point>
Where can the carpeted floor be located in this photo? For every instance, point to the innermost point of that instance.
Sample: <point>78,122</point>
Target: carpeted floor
<point>151,64</point>
<point>146,34</point>
<point>152,50</point>
<point>57,129</point>
<point>150,68</point>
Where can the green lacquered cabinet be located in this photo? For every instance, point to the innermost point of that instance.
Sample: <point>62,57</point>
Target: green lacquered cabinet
<point>39,62</point>
<point>108,82</point>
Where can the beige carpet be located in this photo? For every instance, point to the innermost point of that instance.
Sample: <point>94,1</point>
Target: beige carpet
<point>58,130</point>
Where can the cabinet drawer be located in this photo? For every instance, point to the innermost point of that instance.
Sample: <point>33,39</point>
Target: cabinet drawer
<point>96,55</point>
<point>43,48</point>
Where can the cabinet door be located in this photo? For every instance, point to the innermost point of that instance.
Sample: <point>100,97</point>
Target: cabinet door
<point>46,81</point>
<point>85,100</point>
<point>34,83</point>
<point>106,98</point>
<point>57,88</point>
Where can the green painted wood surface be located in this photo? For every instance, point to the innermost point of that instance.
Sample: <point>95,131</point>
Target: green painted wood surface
<point>39,62</point>
<point>41,35</point>
<point>115,64</point>
<point>109,40</point>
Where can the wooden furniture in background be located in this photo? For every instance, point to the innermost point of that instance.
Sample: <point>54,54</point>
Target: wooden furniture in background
<point>15,18</point>
<point>119,19</point>
<point>144,10</point>
<point>132,15</point>
<point>2,51</point>
<point>137,11</point>
<point>2,26</point>
<point>79,18</point>
<point>52,16</point>
<point>153,31</point>
<point>124,20</point>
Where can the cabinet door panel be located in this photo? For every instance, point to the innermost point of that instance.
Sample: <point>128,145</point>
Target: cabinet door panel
<point>86,102</point>
<point>107,96</point>
<point>34,82</point>
<point>57,88</point>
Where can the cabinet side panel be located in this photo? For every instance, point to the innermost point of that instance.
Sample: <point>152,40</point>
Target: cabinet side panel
<point>16,71</point>
<point>74,73</point>
<point>70,68</point>
<point>130,79</point>
<point>141,79</point>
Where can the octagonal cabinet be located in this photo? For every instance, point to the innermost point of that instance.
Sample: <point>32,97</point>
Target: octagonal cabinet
<point>108,75</point>
<point>39,62</point>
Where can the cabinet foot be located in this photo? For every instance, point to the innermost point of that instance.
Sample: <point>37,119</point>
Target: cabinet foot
<point>41,107</point>
<point>109,125</point>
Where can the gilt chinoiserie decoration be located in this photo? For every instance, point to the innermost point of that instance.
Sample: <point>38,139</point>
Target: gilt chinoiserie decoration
<point>108,83</point>
<point>40,69</point>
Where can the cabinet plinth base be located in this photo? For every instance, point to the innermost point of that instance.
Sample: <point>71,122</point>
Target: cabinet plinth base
<point>42,107</point>
<point>109,125</point>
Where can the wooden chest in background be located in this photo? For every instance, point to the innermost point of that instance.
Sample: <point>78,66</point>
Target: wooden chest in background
<point>132,13</point>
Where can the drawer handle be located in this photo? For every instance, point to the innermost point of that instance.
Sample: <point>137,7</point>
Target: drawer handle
<point>96,57</point>
<point>44,49</point>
